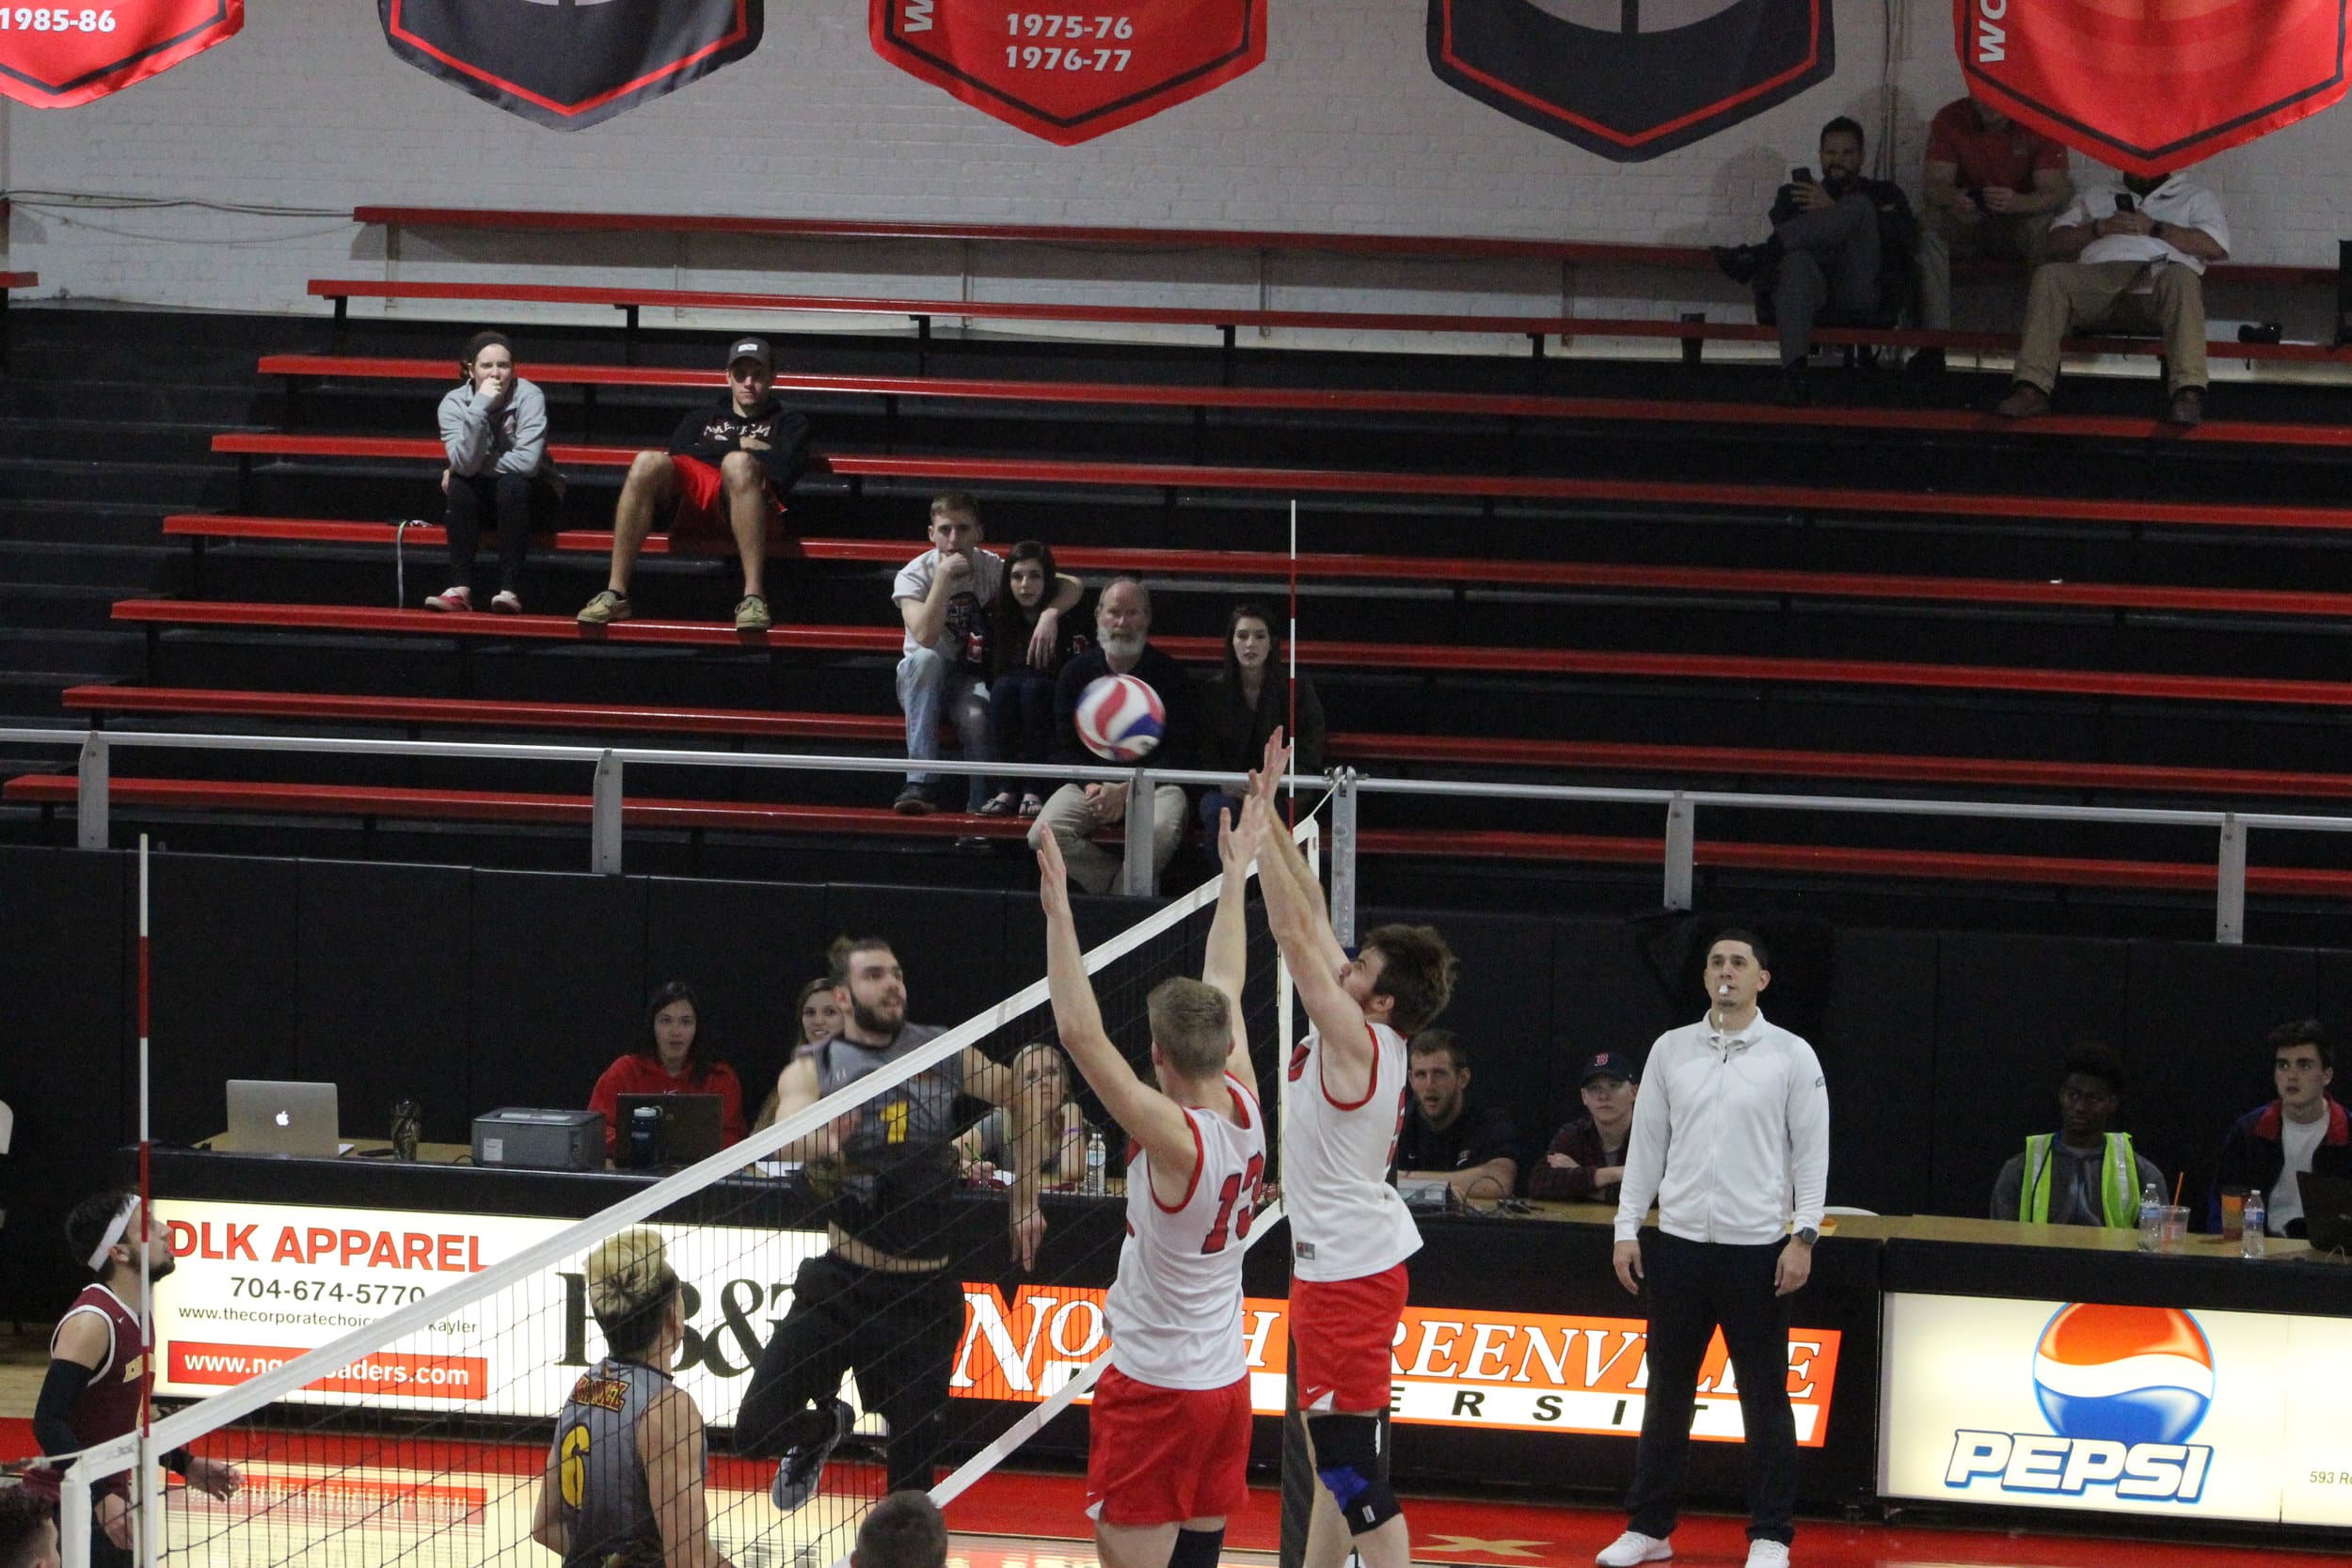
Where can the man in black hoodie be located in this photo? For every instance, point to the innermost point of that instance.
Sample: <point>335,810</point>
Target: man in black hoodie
<point>728,471</point>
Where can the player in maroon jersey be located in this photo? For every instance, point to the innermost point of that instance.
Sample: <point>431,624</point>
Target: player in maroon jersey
<point>99,1374</point>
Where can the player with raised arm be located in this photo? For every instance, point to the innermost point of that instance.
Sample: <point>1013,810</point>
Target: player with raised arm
<point>623,1486</point>
<point>1345,1097</point>
<point>881,1301</point>
<point>99,1377</point>
<point>1169,1450</point>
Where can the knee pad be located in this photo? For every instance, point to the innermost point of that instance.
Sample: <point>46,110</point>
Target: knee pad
<point>1197,1549</point>
<point>1347,1462</point>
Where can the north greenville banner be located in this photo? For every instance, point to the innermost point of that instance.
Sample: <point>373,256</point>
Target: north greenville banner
<point>1631,79</point>
<point>2152,86</point>
<point>56,56</point>
<point>1071,75</point>
<point>570,66</point>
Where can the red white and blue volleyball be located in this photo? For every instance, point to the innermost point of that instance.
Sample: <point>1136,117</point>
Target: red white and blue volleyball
<point>1120,719</point>
<point>2124,1375</point>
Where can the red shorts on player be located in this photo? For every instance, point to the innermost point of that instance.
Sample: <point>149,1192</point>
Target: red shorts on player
<point>702,501</point>
<point>1341,1334</point>
<point>1161,1456</point>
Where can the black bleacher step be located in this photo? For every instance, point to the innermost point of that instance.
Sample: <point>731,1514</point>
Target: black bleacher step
<point>148,569</point>
<point>211,483</point>
<point>33,605</point>
<point>78,654</point>
<point>147,402</point>
<point>76,520</point>
<point>69,440</point>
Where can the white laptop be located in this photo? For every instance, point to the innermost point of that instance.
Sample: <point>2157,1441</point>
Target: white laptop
<point>266,1116</point>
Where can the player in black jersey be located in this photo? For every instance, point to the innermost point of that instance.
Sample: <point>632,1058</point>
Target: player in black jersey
<point>882,1300</point>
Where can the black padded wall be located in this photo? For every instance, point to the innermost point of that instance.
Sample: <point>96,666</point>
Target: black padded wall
<point>558,983</point>
<point>224,978</point>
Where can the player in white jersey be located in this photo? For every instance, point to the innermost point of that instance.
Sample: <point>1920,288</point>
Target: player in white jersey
<point>1343,1098</point>
<point>1169,1449</point>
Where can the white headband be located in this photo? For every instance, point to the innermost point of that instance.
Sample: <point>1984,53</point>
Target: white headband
<point>121,1223</point>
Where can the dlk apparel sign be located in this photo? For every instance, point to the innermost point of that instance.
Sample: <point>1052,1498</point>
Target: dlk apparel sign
<point>570,66</point>
<point>1071,75</point>
<point>257,1285</point>
<point>56,56</point>
<point>2116,1409</point>
<point>2150,87</point>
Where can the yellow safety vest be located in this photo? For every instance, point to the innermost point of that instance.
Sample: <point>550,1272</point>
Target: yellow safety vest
<point>2119,1181</point>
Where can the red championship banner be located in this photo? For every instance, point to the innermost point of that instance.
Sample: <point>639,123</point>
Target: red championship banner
<point>2152,86</point>
<point>1070,75</point>
<point>570,66</point>
<point>1626,80</point>
<point>56,56</point>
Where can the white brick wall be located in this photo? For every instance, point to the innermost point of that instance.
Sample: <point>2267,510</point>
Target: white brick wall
<point>1342,128</point>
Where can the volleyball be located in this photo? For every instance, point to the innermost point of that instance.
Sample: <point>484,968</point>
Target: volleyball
<point>1120,719</point>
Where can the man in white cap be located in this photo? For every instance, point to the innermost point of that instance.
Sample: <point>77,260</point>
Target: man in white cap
<point>726,472</point>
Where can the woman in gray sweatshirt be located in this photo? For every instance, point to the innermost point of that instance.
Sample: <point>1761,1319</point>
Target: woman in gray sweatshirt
<point>495,429</point>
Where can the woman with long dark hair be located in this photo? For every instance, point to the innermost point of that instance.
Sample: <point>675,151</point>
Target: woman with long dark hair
<point>1021,690</point>
<point>675,1057</point>
<point>1247,704</point>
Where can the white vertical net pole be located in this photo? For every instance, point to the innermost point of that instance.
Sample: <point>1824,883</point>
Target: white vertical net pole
<point>147,1494</point>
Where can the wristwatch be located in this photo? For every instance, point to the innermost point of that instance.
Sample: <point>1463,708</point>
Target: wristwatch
<point>1808,1235</point>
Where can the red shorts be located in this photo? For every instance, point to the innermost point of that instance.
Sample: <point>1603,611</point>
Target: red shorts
<point>1343,1332</point>
<point>1161,1456</point>
<point>701,512</point>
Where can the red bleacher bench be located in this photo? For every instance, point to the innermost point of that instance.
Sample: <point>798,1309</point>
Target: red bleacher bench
<point>1537,329</point>
<point>982,471</point>
<point>1435,246</point>
<point>1602,663</point>
<point>1273,566</point>
<point>20,279</point>
<point>503,806</point>
<point>1348,746</point>
<point>1313,399</point>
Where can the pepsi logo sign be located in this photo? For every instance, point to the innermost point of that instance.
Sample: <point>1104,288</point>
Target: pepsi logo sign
<point>2124,1389</point>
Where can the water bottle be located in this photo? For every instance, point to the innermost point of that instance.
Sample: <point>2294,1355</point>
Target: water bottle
<point>1097,1182</point>
<point>644,1137</point>
<point>2150,1217</point>
<point>2252,1241</point>
<point>407,1121</point>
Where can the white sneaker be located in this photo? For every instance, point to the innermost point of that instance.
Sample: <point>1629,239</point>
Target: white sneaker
<point>448,600</point>
<point>507,602</point>
<point>1768,1554</point>
<point>1633,1547</point>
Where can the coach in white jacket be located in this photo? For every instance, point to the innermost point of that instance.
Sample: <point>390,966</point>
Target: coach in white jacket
<point>1731,1138</point>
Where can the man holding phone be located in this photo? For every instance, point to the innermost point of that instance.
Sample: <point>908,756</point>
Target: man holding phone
<point>1992,187</point>
<point>2128,257</point>
<point>1841,242</point>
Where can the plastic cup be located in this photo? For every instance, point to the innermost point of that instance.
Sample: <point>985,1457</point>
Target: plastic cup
<point>2172,1228</point>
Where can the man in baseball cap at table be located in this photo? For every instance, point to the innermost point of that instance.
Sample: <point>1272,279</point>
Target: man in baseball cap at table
<point>1586,1159</point>
<point>728,467</point>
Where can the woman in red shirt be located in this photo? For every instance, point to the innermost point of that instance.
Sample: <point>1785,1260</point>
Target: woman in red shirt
<point>673,1059</point>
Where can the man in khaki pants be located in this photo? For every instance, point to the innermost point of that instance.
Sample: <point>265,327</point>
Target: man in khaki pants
<point>2129,258</point>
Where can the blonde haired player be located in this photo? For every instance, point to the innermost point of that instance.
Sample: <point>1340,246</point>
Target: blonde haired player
<point>623,1486</point>
<point>1169,1430</point>
<point>1343,1099</point>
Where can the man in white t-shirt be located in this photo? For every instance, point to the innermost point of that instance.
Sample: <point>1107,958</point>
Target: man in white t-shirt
<point>2306,1128</point>
<point>946,595</point>
<point>2126,258</point>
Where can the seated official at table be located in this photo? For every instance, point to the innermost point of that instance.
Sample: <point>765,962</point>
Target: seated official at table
<point>986,1148</point>
<point>1586,1159</point>
<point>1475,1149</point>
<point>673,1058</point>
<point>2304,1129</point>
<point>2086,1174</point>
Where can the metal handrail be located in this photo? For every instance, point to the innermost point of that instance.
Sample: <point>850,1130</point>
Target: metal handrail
<point>1346,784</point>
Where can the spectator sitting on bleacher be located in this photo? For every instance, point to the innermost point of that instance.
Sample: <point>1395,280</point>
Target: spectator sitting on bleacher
<point>1587,1160</point>
<point>1029,639</point>
<point>946,596</point>
<point>2128,257</point>
<point>728,471</point>
<point>1247,704</point>
<point>1841,243</point>
<point>1992,187</point>
<point>675,1057</point>
<point>1123,628</point>
<point>493,426</point>
<point>2084,1175</point>
<point>2304,1129</point>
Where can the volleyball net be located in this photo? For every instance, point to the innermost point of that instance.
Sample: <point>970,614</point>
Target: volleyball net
<point>388,1384</point>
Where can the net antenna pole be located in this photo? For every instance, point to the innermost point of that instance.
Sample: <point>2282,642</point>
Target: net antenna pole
<point>149,1511</point>
<point>1290,796</point>
<point>1295,1470</point>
